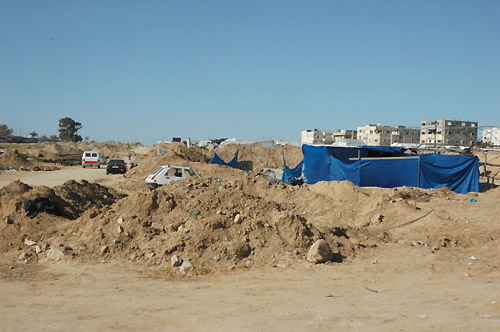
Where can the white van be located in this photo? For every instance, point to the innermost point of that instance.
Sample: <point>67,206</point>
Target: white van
<point>168,173</point>
<point>93,158</point>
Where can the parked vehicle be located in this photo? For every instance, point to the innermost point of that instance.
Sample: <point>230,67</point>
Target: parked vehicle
<point>116,166</point>
<point>168,173</point>
<point>93,158</point>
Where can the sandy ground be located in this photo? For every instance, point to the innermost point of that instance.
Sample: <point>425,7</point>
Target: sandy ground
<point>58,177</point>
<point>394,287</point>
<point>397,294</point>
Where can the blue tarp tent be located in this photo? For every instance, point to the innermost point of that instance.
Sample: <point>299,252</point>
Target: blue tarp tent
<point>292,174</point>
<point>218,160</point>
<point>370,166</point>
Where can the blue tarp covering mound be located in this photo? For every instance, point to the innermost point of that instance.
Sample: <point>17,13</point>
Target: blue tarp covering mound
<point>292,174</point>
<point>326,163</point>
<point>218,160</point>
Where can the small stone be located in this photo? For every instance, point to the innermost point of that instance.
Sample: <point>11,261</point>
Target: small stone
<point>55,253</point>
<point>11,267</point>
<point>23,256</point>
<point>238,218</point>
<point>116,241</point>
<point>150,255</point>
<point>194,213</point>
<point>158,226</point>
<point>38,249</point>
<point>181,228</point>
<point>320,252</point>
<point>466,274</point>
<point>9,221</point>
<point>29,242</point>
<point>374,261</point>
<point>119,220</point>
<point>493,302</point>
<point>377,219</point>
<point>185,267</point>
<point>104,249</point>
<point>240,249</point>
<point>217,258</point>
<point>119,229</point>
<point>175,261</point>
<point>422,316</point>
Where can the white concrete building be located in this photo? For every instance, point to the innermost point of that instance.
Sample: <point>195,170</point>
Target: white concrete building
<point>448,132</point>
<point>344,134</point>
<point>491,136</point>
<point>387,135</point>
<point>316,137</point>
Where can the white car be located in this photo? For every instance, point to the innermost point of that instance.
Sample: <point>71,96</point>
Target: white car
<point>93,158</point>
<point>168,173</point>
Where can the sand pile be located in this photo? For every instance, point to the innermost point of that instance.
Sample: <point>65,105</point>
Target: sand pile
<point>215,225</point>
<point>71,199</point>
<point>57,150</point>
<point>261,157</point>
<point>13,159</point>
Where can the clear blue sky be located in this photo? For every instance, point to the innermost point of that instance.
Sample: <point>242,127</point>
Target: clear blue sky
<point>150,70</point>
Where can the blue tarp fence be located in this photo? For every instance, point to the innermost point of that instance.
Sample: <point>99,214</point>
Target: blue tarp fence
<point>218,160</point>
<point>369,166</point>
<point>292,174</point>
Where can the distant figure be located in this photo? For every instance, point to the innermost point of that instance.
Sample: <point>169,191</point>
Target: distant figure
<point>129,155</point>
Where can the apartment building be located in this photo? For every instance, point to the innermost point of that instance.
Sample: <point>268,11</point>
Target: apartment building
<point>448,132</point>
<point>491,136</point>
<point>386,135</point>
<point>316,137</point>
<point>344,134</point>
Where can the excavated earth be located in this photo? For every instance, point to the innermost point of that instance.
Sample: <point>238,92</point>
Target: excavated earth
<point>232,220</point>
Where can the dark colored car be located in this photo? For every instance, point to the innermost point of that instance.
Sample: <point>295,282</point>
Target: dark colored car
<point>116,166</point>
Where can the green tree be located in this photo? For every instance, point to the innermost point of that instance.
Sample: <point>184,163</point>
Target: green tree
<point>5,131</point>
<point>68,128</point>
<point>33,134</point>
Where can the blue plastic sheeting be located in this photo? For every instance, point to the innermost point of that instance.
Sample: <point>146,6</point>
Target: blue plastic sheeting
<point>387,173</point>
<point>218,160</point>
<point>459,173</point>
<point>292,174</point>
<point>382,151</point>
<point>325,163</point>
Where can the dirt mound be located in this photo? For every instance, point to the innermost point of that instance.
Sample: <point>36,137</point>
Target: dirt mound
<point>214,223</point>
<point>70,200</point>
<point>259,157</point>
<point>57,151</point>
<point>13,159</point>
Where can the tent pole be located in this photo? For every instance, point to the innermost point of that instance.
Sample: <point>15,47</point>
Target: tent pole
<point>418,181</point>
<point>283,153</point>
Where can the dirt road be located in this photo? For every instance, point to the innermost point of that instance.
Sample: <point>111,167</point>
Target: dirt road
<point>57,177</point>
